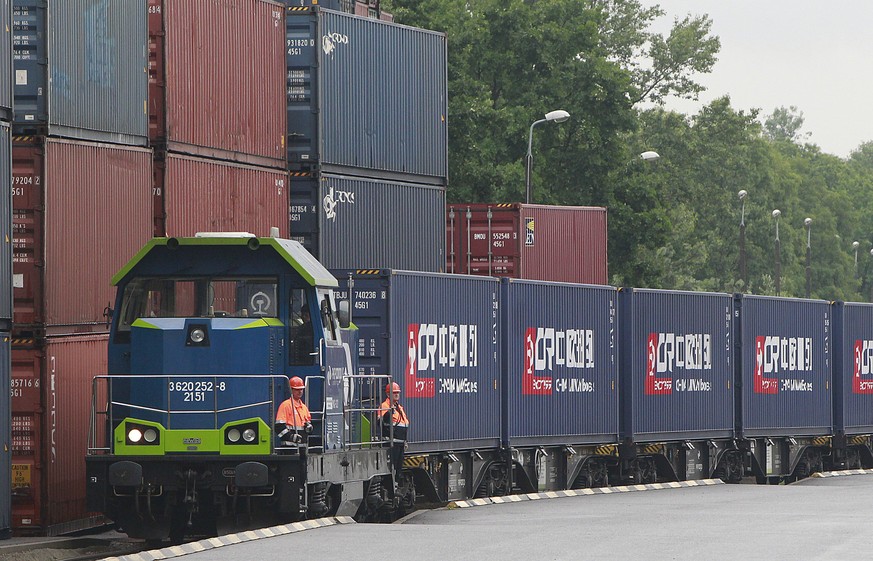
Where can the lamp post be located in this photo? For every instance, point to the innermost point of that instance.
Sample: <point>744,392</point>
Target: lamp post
<point>558,116</point>
<point>807,222</point>
<point>776,214</point>
<point>742,195</point>
<point>855,246</point>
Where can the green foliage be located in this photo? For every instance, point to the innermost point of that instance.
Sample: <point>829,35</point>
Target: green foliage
<point>675,222</point>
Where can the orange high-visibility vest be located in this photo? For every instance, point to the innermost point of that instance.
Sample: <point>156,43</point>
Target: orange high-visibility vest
<point>294,413</point>
<point>399,418</point>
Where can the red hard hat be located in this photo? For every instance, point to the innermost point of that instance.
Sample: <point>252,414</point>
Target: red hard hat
<point>392,387</point>
<point>297,383</point>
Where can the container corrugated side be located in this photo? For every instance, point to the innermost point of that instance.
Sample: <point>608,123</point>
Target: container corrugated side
<point>80,69</point>
<point>5,435</point>
<point>202,195</point>
<point>6,74</point>
<point>217,79</point>
<point>5,227</point>
<point>75,200</point>
<point>539,242</point>
<point>677,369</point>
<point>339,116</point>
<point>560,362</point>
<point>853,368</point>
<point>439,336</point>
<point>50,406</point>
<point>786,366</point>
<point>355,222</point>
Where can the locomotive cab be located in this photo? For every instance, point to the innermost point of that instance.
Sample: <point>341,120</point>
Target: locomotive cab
<point>206,334</point>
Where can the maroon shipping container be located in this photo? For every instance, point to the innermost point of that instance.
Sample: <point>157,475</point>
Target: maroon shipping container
<point>80,211</point>
<point>202,195</point>
<point>537,242</point>
<point>217,79</point>
<point>51,398</point>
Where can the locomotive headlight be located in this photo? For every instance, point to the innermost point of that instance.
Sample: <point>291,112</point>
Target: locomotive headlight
<point>249,435</point>
<point>233,435</point>
<point>197,335</point>
<point>150,435</point>
<point>135,435</point>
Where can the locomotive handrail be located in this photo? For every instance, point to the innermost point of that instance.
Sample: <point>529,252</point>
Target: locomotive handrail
<point>111,402</point>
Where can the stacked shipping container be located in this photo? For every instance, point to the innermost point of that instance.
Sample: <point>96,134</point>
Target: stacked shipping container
<point>356,143</point>
<point>537,242</point>
<point>81,207</point>
<point>216,120</point>
<point>6,75</point>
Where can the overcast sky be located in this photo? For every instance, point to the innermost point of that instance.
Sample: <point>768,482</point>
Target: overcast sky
<point>813,54</point>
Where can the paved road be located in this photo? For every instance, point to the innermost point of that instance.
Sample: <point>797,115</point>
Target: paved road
<point>816,519</point>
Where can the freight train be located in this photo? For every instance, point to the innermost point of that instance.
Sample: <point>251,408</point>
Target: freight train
<point>510,386</point>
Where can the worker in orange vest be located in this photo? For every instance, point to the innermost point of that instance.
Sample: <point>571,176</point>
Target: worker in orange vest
<point>293,420</point>
<point>394,415</point>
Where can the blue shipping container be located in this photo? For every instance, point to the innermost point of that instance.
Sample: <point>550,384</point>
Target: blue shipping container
<point>5,60</point>
<point>5,227</point>
<point>365,94</point>
<point>560,345</point>
<point>853,368</point>
<point>676,365</point>
<point>354,222</point>
<point>438,336</point>
<point>81,69</point>
<point>5,436</point>
<point>785,366</point>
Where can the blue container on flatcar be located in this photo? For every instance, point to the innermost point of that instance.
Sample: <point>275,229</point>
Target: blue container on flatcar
<point>438,335</point>
<point>676,365</point>
<point>560,346</point>
<point>853,368</point>
<point>6,60</point>
<point>785,366</point>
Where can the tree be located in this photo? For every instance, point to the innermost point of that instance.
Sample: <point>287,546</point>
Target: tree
<point>785,124</point>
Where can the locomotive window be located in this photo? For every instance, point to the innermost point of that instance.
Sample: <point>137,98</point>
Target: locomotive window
<point>197,297</point>
<point>328,317</point>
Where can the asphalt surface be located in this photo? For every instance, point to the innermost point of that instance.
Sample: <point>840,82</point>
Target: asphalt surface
<point>826,518</point>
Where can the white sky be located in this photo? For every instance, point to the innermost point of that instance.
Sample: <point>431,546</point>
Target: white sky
<point>813,54</point>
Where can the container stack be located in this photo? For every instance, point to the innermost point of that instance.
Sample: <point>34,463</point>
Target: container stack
<point>217,116</point>
<point>367,140</point>
<point>82,204</point>
<point>523,241</point>
<point>5,265</point>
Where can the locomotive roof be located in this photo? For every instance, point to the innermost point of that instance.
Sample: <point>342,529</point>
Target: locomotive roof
<point>289,251</point>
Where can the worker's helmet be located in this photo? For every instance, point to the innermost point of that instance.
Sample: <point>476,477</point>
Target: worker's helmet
<point>297,383</point>
<point>392,387</point>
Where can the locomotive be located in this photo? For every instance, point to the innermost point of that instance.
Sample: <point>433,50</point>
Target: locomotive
<point>510,385</point>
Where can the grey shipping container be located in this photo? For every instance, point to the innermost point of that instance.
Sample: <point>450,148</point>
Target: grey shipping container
<point>5,436</point>
<point>438,336</point>
<point>853,368</point>
<point>81,69</point>
<point>353,222</point>
<point>5,60</point>
<point>676,365</point>
<point>785,366</point>
<point>560,345</point>
<point>366,94</point>
<point>5,227</point>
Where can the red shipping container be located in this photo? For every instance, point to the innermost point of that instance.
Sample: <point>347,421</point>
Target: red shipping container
<point>537,242</point>
<point>202,195</point>
<point>80,211</point>
<point>51,401</point>
<point>217,79</point>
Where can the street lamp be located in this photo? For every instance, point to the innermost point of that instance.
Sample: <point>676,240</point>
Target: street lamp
<point>855,246</point>
<point>807,222</point>
<point>742,195</point>
<point>649,155</point>
<point>776,214</point>
<point>558,116</point>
